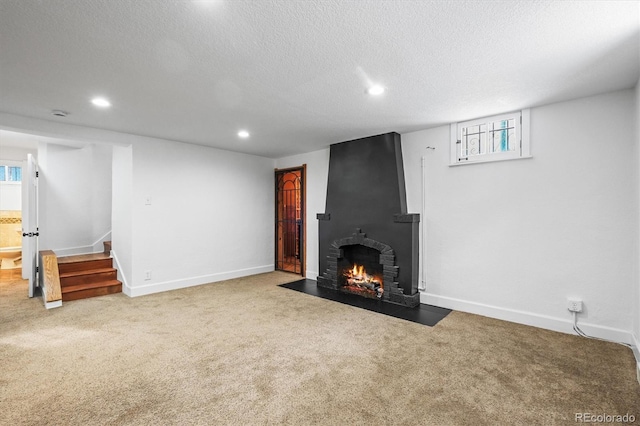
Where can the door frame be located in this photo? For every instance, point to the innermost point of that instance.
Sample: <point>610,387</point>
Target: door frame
<point>303,214</point>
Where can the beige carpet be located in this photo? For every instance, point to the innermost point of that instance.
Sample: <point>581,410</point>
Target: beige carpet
<point>246,352</point>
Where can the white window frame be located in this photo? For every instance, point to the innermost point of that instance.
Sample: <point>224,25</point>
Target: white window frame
<point>523,148</point>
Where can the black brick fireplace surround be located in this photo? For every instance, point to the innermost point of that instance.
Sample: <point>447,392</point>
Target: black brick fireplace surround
<point>366,207</point>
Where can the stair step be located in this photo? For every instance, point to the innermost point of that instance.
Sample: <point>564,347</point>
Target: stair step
<point>65,266</point>
<point>83,291</point>
<point>82,257</point>
<point>87,277</point>
<point>78,287</point>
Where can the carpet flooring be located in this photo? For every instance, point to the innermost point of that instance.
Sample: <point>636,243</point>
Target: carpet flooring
<point>248,352</point>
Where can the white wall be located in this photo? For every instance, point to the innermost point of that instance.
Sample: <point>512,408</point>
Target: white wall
<point>15,153</point>
<point>514,239</point>
<point>101,197</point>
<point>121,214</point>
<point>210,217</point>
<point>10,196</point>
<point>317,171</point>
<point>74,197</point>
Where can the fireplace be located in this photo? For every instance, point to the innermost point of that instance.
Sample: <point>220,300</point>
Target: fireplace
<point>360,271</point>
<point>368,243</point>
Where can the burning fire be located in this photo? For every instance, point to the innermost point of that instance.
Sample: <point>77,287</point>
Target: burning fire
<point>360,282</point>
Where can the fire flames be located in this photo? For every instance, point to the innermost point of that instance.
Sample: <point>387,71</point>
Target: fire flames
<point>358,281</point>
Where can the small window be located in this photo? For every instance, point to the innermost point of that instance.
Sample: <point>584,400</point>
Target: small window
<point>10,173</point>
<point>496,138</point>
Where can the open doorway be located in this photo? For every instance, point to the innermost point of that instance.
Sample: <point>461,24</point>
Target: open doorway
<point>10,218</point>
<point>15,149</point>
<point>290,220</point>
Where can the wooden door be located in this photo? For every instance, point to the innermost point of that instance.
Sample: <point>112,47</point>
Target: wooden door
<point>290,220</point>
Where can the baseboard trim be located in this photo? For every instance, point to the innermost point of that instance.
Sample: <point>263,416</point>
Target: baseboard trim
<point>636,352</point>
<point>563,325</point>
<point>636,348</point>
<point>312,275</point>
<point>195,281</point>
<point>121,276</point>
<point>54,304</point>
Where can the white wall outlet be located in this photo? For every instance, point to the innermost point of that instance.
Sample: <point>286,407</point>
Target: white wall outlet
<point>574,305</point>
<point>147,275</point>
<point>147,200</point>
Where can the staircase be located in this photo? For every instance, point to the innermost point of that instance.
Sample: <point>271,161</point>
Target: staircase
<point>88,275</point>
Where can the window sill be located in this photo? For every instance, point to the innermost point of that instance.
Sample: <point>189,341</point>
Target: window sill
<point>491,161</point>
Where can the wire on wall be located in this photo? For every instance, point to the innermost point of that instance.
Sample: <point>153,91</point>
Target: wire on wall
<point>583,334</point>
<point>423,224</point>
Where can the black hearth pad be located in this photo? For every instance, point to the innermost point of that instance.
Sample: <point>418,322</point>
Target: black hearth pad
<point>421,314</point>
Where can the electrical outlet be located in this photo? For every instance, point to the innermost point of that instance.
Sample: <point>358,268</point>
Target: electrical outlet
<point>574,305</point>
<point>147,275</point>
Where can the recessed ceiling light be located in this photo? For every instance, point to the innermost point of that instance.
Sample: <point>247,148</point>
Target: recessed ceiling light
<point>375,90</point>
<point>243,134</point>
<point>101,102</point>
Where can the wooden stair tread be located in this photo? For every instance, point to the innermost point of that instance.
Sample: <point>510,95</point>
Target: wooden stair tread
<point>79,287</point>
<point>83,258</point>
<point>85,265</point>
<point>86,272</point>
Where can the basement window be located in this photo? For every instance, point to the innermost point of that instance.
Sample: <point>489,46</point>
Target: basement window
<point>496,138</point>
<point>10,173</point>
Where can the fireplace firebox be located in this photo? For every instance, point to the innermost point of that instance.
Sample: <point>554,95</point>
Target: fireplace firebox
<point>368,243</point>
<point>360,271</point>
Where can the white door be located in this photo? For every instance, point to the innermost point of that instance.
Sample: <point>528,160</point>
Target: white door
<point>30,223</point>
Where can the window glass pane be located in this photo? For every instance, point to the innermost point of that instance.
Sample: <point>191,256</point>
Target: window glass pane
<point>474,130</point>
<point>473,141</point>
<point>502,136</point>
<point>3,175</point>
<point>15,174</point>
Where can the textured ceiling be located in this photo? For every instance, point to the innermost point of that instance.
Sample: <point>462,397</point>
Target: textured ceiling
<point>294,73</point>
